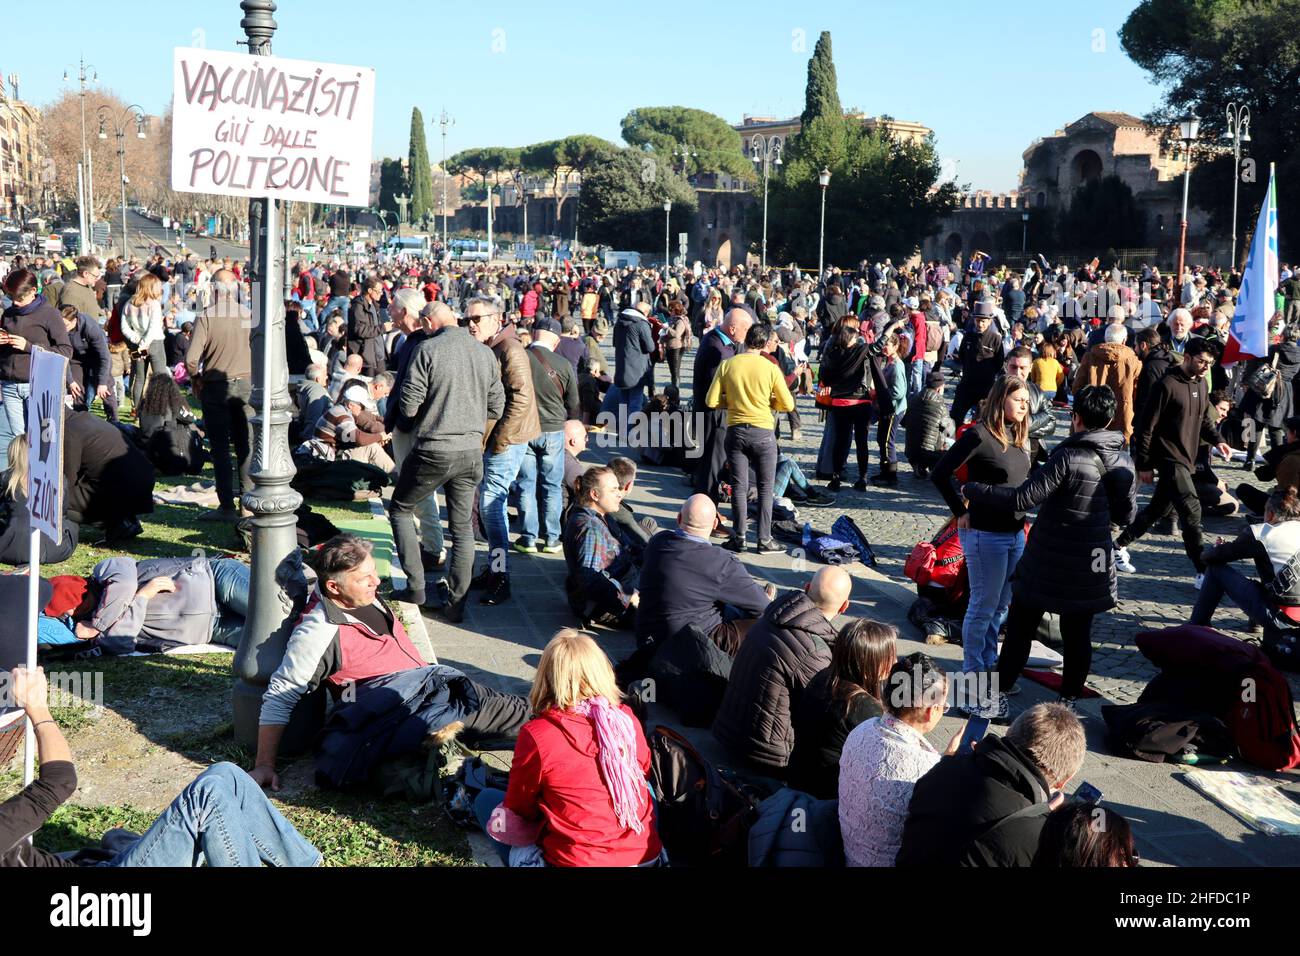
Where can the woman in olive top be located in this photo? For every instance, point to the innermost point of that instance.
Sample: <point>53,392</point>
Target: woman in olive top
<point>995,451</point>
<point>751,388</point>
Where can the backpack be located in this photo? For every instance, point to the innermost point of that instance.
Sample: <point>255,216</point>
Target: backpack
<point>703,817</point>
<point>691,674</point>
<point>939,561</point>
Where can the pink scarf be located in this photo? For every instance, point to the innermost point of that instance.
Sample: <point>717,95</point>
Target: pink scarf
<point>616,740</point>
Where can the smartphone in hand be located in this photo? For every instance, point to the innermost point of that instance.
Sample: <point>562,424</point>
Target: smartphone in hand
<point>976,728</point>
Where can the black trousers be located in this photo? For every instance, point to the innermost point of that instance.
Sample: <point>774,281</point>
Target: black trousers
<point>227,419</point>
<point>750,447</point>
<point>1175,491</point>
<point>1022,626</point>
<point>424,472</point>
<point>498,714</point>
<point>674,357</point>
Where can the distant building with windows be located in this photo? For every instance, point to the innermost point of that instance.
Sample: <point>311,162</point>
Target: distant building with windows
<point>21,158</point>
<point>768,129</point>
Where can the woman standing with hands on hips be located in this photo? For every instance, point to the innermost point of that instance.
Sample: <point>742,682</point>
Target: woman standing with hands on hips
<point>995,451</point>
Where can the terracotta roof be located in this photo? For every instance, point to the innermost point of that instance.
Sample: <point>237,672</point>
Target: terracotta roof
<point>1119,119</point>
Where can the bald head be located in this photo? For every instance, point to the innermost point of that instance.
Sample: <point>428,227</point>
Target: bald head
<point>438,315</point>
<point>698,515</point>
<point>736,324</point>
<point>575,437</point>
<point>830,589</point>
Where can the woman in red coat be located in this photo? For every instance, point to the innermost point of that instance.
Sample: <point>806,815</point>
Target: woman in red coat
<point>578,794</point>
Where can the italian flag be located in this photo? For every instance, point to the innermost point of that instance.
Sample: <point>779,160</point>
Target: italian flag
<point>1248,336</point>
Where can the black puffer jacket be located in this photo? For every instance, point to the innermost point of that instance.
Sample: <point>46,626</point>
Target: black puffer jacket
<point>956,807</point>
<point>1273,411</point>
<point>1087,484</point>
<point>780,656</point>
<point>845,371</point>
<point>927,423</point>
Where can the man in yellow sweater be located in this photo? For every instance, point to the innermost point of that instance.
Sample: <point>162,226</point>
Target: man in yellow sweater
<point>751,388</point>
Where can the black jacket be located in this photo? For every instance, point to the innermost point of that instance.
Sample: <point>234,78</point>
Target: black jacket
<point>1086,485</point>
<point>27,811</point>
<point>927,423</point>
<point>105,476</point>
<point>40,324</point>
<point>686,581</point>
<point>981,358</point>
<point>821,725</point>
<point>633,344</point>
<point>90,364</point>
<point>1174,422</point>
<point>845,371</point>
<point>780,656</point>
<point>1157,362</point>
<point>956,806</point>
<point>1271,412</point>
<point>366,334</point>
<point>714,349</point>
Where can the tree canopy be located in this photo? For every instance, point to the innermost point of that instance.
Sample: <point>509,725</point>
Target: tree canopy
<point>715,144</point>
<point>421,176</point>
<point>622,201</point>
<point>1207,54</point>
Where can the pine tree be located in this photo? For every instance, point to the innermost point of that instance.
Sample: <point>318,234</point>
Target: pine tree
<point>422,201</point>
<point>822,96</point>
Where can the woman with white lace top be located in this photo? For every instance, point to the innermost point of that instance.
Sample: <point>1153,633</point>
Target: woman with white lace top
<point>885,756</point>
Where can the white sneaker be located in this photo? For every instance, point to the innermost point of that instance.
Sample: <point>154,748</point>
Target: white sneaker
<point>1200,579</point>
<point>1122,563</point>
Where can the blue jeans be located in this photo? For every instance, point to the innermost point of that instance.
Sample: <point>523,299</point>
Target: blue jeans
<point>13,421</point>
<point>224,818</point>
<point>633,398</point>
<point>1221,579</point>
<point>340,303</point>
<point>499,471</point>
<point>991,556</point>
<point>545,454</point>
<point>920,370</point>
<point>230,583</point>
<point>788,473</point>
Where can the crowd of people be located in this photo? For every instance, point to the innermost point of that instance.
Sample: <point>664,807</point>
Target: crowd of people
<point>482,384</point>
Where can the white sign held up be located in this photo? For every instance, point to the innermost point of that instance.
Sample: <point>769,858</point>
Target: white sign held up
<point>259,126</point>
<point>45,443</point>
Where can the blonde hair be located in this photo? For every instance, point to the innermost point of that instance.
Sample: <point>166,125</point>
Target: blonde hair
<point>993,413</point>
<point>573,669</point>
<point>147,287</point>
<point>16,477</point>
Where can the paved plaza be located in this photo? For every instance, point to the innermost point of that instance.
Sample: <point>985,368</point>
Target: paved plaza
<point>1174,824</point>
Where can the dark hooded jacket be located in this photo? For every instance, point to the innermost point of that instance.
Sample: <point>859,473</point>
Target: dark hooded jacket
<point>780,656</point>
<point>956,809</point>
<point>1086,485</point>
<point>1157,362</point>
<point>633,344</point>
<point>1271,412</point>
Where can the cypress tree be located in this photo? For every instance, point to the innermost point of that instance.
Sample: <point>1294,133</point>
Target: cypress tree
<point>822,96</point>
<point>421,177</point>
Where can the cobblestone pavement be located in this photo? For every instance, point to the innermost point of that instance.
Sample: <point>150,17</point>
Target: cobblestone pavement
<point>1174,824</point>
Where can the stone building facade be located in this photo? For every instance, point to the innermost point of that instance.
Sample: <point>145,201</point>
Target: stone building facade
<point>21,158</point>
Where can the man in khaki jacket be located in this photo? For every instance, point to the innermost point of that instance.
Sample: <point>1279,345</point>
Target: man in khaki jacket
<point>1115,364</point>
<point>506,443</point>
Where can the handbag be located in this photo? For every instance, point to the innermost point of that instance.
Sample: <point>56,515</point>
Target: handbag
<point>1263,380</point>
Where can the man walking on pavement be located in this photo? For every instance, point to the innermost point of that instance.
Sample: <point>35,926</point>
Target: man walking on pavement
<point>451,393</point>
<point>507,443</point>
<point>1166,438</point>
<point>220,366</point>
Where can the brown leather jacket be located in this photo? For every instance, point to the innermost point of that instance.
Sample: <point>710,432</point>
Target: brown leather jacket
<point>1116,365</point>
<point>519,422</point>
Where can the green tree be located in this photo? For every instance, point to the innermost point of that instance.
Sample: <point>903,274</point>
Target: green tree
<point>622,199</point>
<point>422,201</point>
<point>1206,54</point>
<point>392,183</point>
<point>1103,215</point>
<point>715,144</point>
<point>883,198</point>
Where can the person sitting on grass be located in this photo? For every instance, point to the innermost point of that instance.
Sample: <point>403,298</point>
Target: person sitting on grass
<point>15,539</point>
<point>349,641</point>
<point>222,818</point>
<point>602,581</point>
<point>578,793</point>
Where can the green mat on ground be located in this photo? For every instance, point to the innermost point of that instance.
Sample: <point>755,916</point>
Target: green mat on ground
<point>379,533</point>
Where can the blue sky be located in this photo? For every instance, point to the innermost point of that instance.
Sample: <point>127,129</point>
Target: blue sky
<point>988,78</point>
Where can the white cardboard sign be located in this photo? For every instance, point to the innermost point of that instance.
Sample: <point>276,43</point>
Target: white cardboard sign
<point>265,126</point>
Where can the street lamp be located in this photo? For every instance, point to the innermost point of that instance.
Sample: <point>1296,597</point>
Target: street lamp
<point>529,189</point>
<point>1024,232</point>
<point>118,124</point>
<point>684,152</point>
<point>1238,132</point>
<point>824,178</point>
<point>444,121</point>
<point>1188,130</point>
<point>765,155</point>
<point>88,194</point>
<point>668,208</point>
